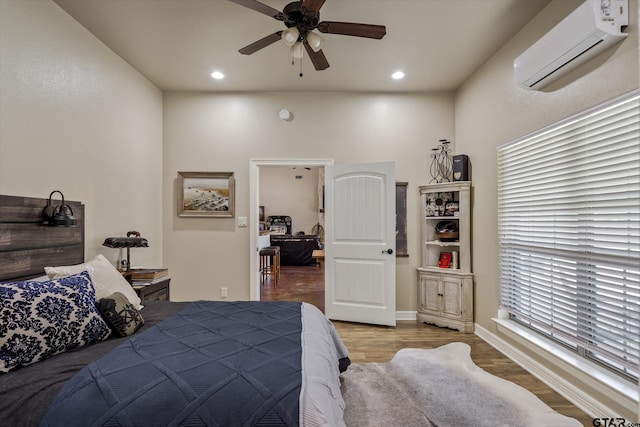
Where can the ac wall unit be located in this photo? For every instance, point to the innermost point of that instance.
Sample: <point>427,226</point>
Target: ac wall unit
<point>592,28</point>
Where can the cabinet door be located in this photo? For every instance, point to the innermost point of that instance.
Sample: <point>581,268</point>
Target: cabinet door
<point>452,296</point>
<point>430,293</point>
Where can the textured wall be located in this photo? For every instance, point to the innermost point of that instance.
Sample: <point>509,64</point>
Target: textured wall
<point>75,117</point>
<point>281,193</point>
<point>212,132</point>
<point>492,110</point>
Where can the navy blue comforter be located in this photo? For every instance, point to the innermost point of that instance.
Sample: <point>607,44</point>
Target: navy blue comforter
<point>213,363</point>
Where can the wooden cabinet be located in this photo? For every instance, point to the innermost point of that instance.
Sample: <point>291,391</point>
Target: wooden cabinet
<point>446,300</point>
<point>445,280</point>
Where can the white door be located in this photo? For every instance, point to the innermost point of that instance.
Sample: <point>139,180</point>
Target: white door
<point>360,243</point>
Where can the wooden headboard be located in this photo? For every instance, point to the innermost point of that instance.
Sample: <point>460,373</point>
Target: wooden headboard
<point>27,246</point>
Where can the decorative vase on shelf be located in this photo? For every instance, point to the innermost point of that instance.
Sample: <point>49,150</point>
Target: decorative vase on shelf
<point>441,163</point>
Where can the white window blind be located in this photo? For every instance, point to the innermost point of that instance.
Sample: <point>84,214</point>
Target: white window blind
<point>569,232</point>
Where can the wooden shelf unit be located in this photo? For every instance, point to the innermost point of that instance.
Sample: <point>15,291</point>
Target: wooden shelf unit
<point>445,295</point>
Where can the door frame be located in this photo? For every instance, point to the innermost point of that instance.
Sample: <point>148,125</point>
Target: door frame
<point>254,202</point>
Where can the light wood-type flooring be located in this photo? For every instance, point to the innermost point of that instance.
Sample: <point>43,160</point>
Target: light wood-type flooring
<point>367,343</point>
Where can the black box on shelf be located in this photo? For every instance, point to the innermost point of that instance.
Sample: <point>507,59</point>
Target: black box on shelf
<point>461,170</point>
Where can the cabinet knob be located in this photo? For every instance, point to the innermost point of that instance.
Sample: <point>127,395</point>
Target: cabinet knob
<point>388,251</point>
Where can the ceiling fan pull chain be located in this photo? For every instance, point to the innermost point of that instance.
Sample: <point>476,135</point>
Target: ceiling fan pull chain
<point>301,67</point>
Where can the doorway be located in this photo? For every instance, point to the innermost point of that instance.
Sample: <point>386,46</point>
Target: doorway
<point>254,194</point>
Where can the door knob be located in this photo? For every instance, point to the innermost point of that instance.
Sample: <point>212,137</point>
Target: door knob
<point>388,251</point>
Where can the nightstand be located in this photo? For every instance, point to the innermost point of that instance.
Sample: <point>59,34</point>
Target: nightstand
<point>156,291</point>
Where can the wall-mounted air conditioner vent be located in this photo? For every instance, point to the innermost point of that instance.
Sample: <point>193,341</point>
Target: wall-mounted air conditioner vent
<point>593,27</point>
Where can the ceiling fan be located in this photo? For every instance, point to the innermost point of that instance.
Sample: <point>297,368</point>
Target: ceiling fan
<point>301,18</point>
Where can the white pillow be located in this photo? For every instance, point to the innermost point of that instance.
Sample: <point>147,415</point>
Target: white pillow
<point>106,279</point>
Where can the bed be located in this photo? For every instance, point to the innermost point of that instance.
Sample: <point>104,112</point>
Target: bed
<point>169,363</point>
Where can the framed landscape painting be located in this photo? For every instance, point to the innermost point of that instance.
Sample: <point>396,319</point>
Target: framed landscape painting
<point>206,194</point>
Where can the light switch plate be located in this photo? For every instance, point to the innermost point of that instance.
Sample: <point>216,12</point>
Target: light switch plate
<point>242,221</point>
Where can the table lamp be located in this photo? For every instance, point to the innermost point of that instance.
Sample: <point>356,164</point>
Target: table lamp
<point>126,242</point>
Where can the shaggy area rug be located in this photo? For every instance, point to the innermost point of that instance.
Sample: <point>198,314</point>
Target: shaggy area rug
<point>439,387</point>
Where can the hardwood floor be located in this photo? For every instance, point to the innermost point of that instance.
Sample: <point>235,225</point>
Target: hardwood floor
<point>367,343</point>
<point>304,283</point>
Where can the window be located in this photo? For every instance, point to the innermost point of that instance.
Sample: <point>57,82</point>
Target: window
<point>569,233</point>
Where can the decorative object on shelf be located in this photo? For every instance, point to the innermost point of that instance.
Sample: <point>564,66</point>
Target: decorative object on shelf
<point>447,231</point>
<point>441,163</point>
<point>452,209</point>
<point>60,215</point>
<point>126,242</point>
<point>436,203</point>
<point>461,169</point>
<point>445,260</point>
<point>206,194</point>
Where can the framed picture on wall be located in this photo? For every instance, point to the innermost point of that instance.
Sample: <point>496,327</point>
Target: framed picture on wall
<point>206,194</point>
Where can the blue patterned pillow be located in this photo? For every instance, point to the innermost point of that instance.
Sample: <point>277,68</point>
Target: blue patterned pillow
<point>40,319</point>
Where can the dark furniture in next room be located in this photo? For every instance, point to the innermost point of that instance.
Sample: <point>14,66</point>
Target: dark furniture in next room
<point>296,250</point>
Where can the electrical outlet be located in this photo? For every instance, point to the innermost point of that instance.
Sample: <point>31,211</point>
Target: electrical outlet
<point>223,292</point>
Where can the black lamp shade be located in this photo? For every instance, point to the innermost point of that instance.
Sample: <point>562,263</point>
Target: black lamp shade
<point>60,215</point>
<point>126,242</point>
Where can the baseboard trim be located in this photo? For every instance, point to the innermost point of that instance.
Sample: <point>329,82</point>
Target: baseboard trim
<point>406,315</point>
<point>584,401</point>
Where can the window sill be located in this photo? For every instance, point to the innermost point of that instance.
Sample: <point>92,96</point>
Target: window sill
<point>563,359</point>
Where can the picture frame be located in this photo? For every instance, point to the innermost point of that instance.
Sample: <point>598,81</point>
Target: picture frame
<point>206,194</point>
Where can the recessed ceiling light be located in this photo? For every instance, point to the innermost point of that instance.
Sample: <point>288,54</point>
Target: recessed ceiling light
<point>397,75</point>
<point>217,75</point>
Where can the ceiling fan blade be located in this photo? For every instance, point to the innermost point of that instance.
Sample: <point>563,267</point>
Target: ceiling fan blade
<point>262,8</point>
<point>311,7</point>
<point>353,29</point>
<point>318,59</point>
<point>262,43</point>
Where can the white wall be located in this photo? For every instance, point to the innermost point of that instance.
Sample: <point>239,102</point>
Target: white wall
<point>491,110</point>
<point>213,132</point>
<point>283,193</point>
<point>75,117</point>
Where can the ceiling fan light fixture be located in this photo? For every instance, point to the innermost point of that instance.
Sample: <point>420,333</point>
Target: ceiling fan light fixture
<point>290,36</point>
<point>301,18</point>
<point>297,50</point>
<point>315,41</point>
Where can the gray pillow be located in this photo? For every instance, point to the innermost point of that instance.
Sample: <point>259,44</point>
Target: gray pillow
<point>121,316</point>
